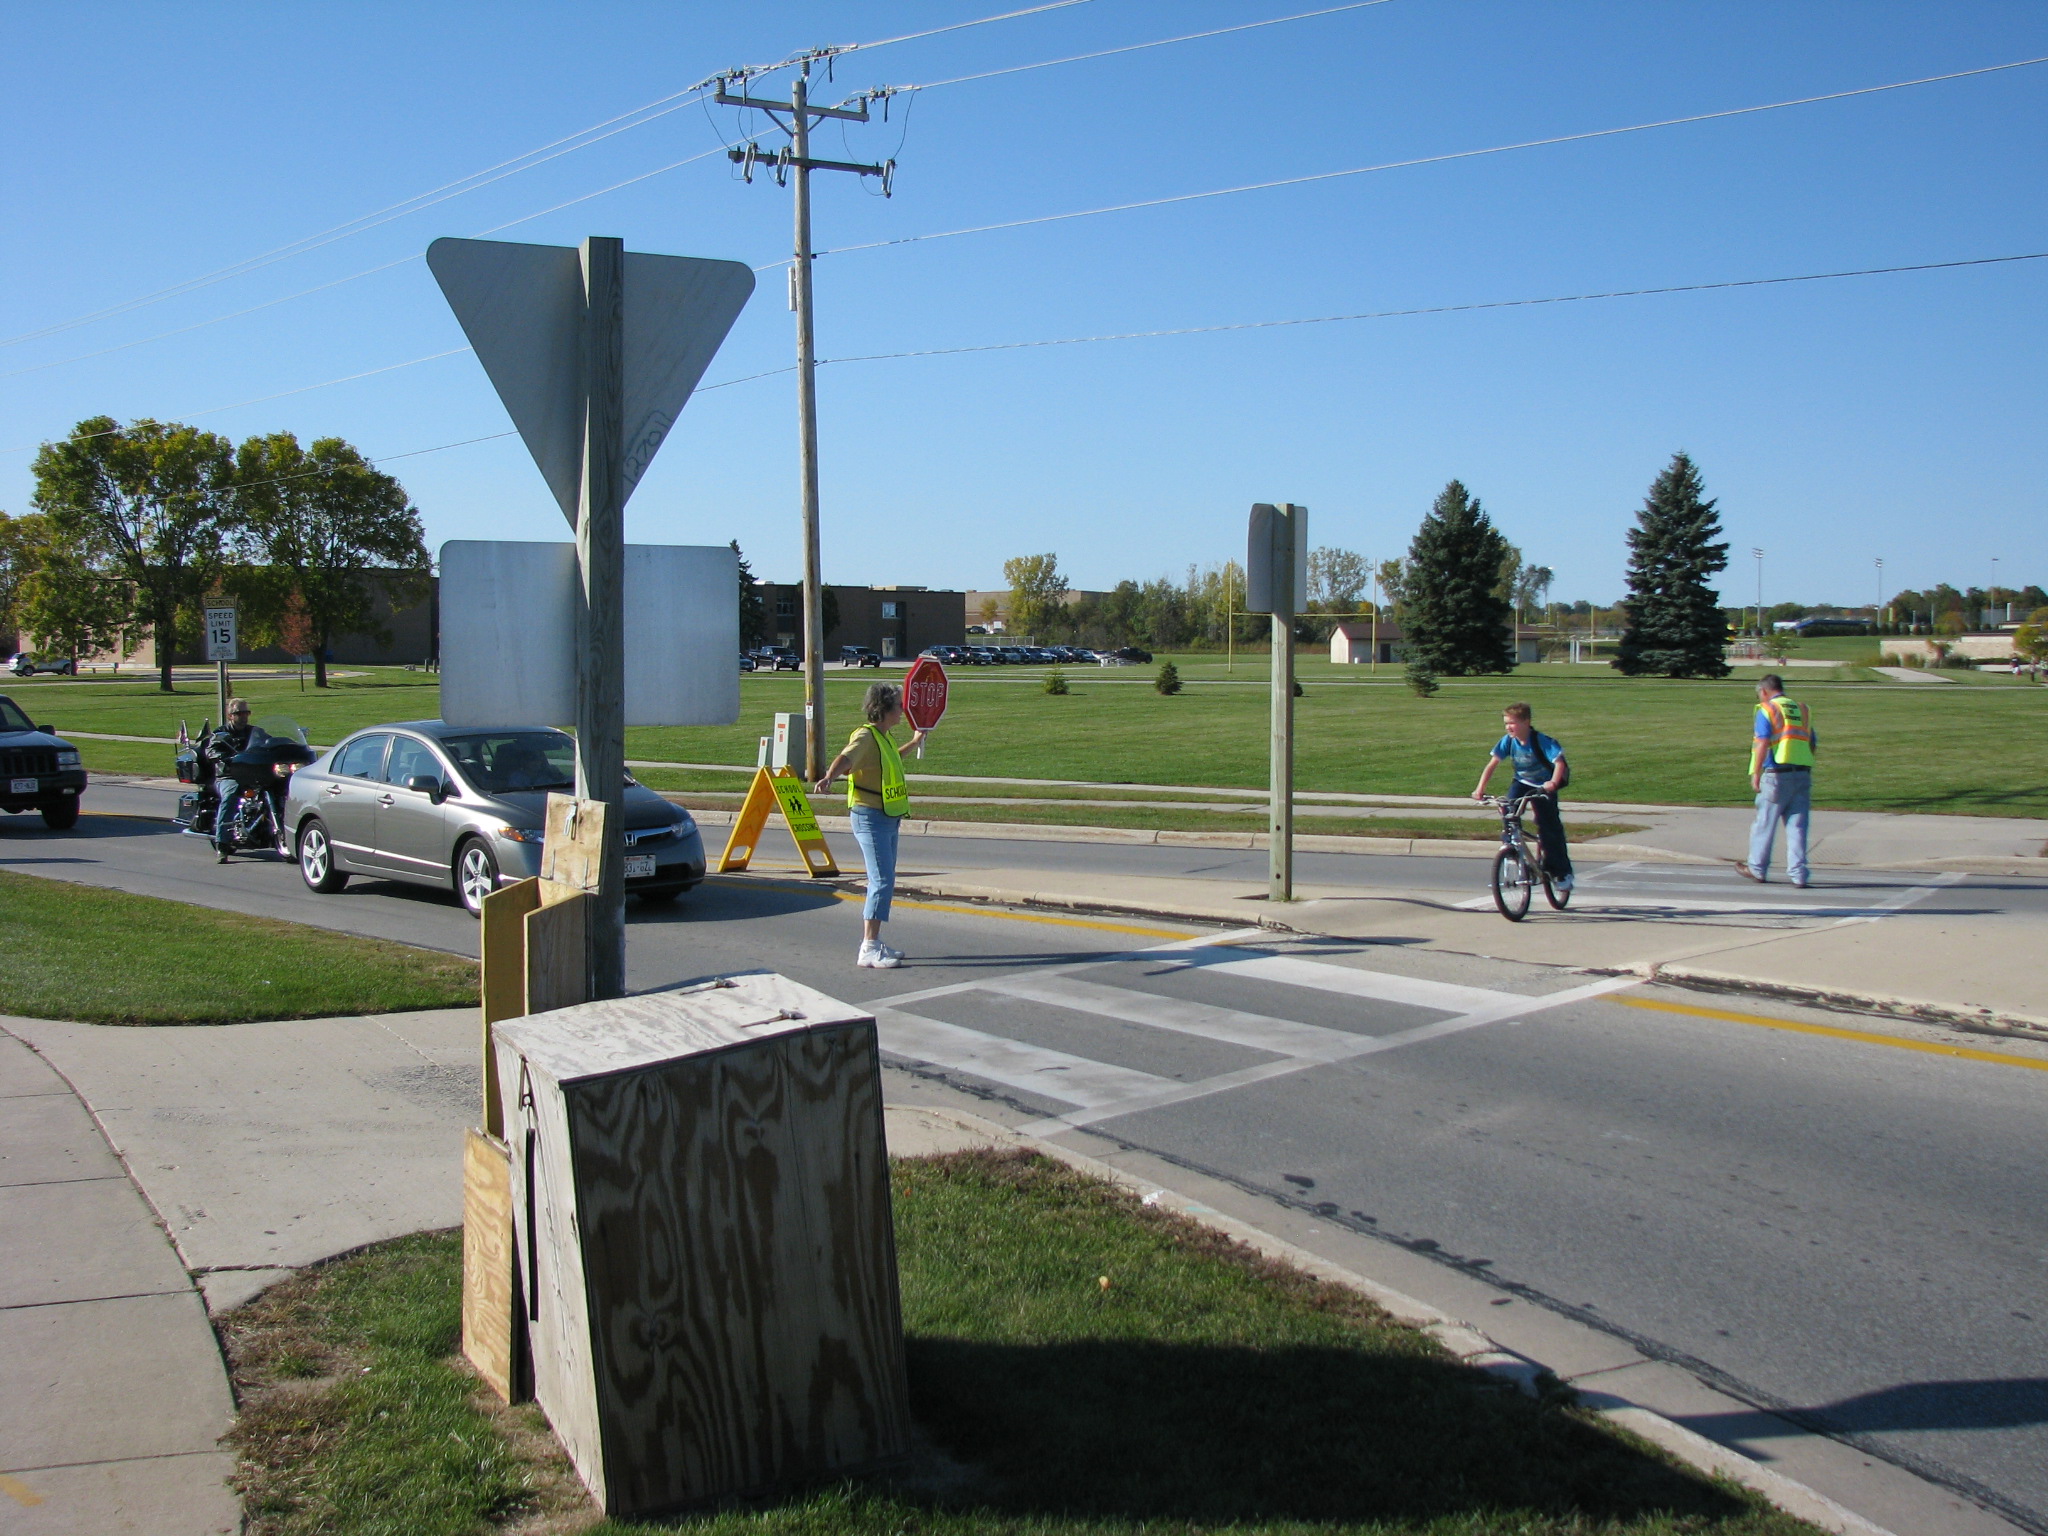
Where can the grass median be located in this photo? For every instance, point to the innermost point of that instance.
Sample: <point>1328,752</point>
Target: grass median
<point>1885,746</point>
<point>1080,1365</point>
<point>110,957</point>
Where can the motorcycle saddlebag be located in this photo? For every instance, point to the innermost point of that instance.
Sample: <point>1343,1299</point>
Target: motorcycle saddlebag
<point>188,810</point>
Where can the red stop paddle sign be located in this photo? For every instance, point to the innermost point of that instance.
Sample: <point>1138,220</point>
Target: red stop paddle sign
<point>924,693</point>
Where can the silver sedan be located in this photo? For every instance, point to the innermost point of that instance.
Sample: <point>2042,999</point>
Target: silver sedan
<point>464,809</point>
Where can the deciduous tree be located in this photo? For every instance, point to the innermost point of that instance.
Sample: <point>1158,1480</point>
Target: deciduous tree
<point>1037,592</point>
<point>146,512</point>
<point>1675,627</point>
<point>325,526</point>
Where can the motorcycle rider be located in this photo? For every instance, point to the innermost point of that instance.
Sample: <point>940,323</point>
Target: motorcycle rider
<point>230,738</point>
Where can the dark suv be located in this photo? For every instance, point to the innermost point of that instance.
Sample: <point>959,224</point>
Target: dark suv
<point>858,656</point>
<point>38,770</point>
<point>779,658</point>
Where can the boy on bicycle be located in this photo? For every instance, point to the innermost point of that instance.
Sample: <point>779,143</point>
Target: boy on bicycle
<point>1539,771</point>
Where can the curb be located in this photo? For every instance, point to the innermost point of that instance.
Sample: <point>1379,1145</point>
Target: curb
<point>1460,1340</point>
<point>1975,1019</point>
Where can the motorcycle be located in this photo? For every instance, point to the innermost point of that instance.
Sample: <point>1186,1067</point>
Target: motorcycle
<point>248,789</point>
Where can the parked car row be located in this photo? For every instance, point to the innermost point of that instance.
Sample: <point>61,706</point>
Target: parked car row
<point>1031,655</point>
<point>25,665</point>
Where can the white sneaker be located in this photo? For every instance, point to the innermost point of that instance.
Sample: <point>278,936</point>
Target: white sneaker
<point>889,952</point>
<point>877,957</point>
<point>1565,883</point>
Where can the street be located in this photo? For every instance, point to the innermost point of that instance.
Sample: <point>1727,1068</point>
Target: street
<point>1815,1223</point>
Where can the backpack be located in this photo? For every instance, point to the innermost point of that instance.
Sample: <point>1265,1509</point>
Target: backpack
<point>1563,780</point>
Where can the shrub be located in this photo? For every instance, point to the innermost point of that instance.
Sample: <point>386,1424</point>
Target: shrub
<point>1421,681</point>
<point>1168,681</point>
<point>1055,681</point>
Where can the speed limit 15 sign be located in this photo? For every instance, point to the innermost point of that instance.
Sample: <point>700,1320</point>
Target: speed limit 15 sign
<point>220,635</point>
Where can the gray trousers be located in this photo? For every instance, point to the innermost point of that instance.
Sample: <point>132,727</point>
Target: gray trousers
<point>1788,798</point>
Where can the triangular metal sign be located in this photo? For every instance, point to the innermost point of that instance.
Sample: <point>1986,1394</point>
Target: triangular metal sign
<point>521,306</point>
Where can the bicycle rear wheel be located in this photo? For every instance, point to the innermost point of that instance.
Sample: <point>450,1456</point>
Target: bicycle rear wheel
<point>1512,880</point>
<point>1555,894</point>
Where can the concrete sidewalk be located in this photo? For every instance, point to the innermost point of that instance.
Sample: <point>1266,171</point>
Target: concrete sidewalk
<point>116,1393</point>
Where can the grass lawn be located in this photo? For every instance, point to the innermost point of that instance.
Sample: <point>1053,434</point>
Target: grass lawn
<point>1884,746</point>
<point>109,957</point>
<point>1200,1387</point>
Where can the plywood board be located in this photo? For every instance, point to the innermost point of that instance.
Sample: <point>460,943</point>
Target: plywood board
<point>491,1335</point>
<point>557,951</point>
<point>504,978</point>
<point>573,841</point>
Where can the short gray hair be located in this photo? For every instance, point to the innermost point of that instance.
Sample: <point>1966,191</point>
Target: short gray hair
<point>1772,681</point>
<point>881,700</point>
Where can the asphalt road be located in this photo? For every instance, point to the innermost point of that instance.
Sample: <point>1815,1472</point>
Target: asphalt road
<point>1853,1233</point>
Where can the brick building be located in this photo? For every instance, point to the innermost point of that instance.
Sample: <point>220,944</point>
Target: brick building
<point>892,621</point>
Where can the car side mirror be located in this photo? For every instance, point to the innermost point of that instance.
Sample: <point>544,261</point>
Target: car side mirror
<point>429,785</point>
<point>47,730</point>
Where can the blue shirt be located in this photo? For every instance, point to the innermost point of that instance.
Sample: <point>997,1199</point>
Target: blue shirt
<point>1530,766</point>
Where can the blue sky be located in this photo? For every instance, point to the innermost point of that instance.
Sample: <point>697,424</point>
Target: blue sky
<point>1896,417</point>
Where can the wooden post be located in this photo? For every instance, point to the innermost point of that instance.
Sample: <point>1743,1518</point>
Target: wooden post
<point>1288,525</point>
<point>601,567</point>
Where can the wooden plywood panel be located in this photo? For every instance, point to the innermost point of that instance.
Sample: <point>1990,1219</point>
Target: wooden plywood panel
<point>557,952</point>
<point>491,1335</point>
<point>574,841</point>
<point>747,1332</point>
<point>504,978</point>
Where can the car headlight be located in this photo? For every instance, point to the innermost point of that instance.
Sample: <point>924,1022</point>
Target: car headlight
<point>685,822</point>
<point>520,834</point>
<point>67,759</point>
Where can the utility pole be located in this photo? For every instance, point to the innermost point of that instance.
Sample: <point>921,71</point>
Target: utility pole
<point>796,158</point>
<point>600,599</point>
<point>1758,555</point>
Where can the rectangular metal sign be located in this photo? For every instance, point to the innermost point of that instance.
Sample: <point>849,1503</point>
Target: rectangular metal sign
<point>508,634</point>
<point>1278,536</point>
<point>221,635</point>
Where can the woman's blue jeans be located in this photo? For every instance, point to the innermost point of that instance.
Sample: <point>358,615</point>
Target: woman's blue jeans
<point>876,832</point>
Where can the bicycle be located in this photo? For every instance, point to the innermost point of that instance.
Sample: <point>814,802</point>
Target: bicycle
<point>1517,867</point>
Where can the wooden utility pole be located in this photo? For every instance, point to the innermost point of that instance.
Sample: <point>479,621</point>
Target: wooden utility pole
<point>796,158</point>
<point>600,607</point>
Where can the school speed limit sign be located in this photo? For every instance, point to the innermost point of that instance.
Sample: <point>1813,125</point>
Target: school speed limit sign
<point>220,635</point>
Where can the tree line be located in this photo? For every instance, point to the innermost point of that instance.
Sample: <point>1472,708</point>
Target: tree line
<point>137,527</point>
<point>1457,594</point>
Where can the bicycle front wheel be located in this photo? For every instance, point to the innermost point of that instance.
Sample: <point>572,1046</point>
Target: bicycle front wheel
<point>1512,881</point>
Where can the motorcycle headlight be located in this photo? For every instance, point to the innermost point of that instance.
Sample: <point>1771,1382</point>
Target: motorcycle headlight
<point>282,770</point>
<point>67,759</point>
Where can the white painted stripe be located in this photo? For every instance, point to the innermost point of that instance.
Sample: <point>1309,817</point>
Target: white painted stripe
<point>1588,901</point>
<point>1052,1074</point>
<point>1354,982</point>
<point>1283,1037</point>
<point>1181,1093</point>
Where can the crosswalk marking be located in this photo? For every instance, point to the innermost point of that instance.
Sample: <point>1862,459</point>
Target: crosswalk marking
<point>1254,1031</point>
<point>1378,985</point>
<point>1049,1074</point>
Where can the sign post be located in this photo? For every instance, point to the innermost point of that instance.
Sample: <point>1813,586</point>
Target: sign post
<point>1276,582</point>
<point>222,626</point>
<point>594,352</point>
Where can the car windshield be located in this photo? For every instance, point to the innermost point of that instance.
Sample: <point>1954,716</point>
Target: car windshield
<point>496,762</point>
<point>11,717</point>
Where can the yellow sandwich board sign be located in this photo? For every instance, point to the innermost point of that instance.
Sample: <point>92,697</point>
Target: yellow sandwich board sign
<point>777,790</point>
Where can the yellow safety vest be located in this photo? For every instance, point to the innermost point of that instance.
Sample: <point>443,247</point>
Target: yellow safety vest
<point>895,793</point>
<point>1791,744</point>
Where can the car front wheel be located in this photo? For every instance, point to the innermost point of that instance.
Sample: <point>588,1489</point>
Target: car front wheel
<point>62,816</point>
<point>316,860</point>
<point>476,876</point>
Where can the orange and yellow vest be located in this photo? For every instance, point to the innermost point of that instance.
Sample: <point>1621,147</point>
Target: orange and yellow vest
<point>1791,743</point>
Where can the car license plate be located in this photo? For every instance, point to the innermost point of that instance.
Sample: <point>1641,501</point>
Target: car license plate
<point>28,787</point>
<point>639,866</point>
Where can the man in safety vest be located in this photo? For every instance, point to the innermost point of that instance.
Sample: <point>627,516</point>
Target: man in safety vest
<point>1781,773</point>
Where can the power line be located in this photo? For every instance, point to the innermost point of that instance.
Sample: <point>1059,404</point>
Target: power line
<point>1463,154</point>
<point>582,138</point>
<point>1104,53</point>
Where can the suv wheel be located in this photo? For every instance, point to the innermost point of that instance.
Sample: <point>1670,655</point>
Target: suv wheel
<point>62,816</point>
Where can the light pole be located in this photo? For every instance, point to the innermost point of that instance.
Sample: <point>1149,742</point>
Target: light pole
<point>1759,556</point>
<point>1877,608</point>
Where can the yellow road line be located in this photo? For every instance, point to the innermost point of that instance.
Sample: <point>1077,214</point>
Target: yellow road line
<point>970,911</point>
<point>19,1491</point>
<point>1896,1042</point>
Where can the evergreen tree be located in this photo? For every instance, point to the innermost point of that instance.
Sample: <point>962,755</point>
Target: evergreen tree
<point>753,606</point>
<point>1453,610</point>
<point>1675,624</point>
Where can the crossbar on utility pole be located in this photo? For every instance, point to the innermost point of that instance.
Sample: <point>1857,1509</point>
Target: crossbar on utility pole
<point>796,160</point>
